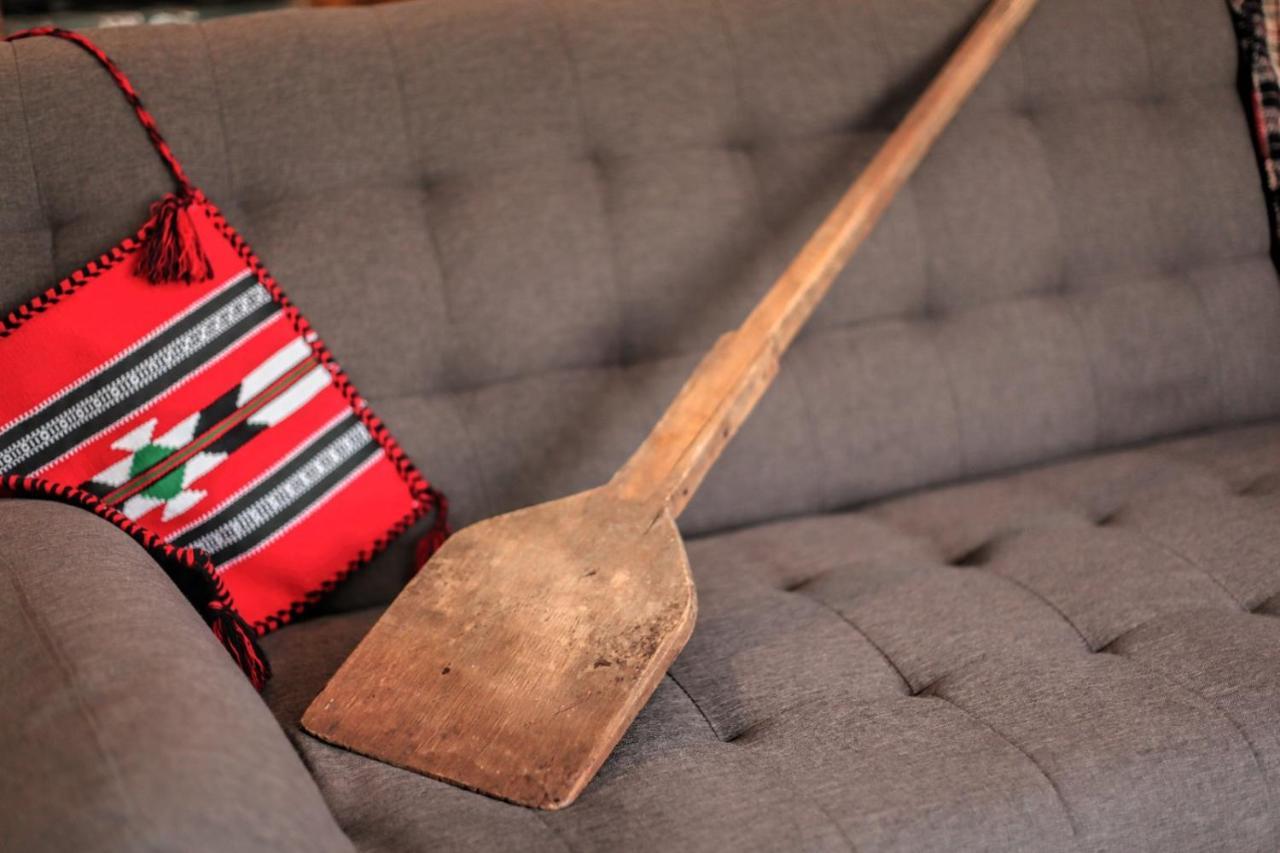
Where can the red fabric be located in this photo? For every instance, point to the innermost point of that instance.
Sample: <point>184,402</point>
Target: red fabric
<point>204,417</point>
<point>53,356</point>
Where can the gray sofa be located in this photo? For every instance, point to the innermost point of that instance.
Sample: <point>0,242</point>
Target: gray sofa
<point>996,565</point>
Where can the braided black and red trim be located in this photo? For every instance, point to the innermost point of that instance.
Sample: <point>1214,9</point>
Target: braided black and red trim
<point>426,496</point>
<point>170,251</point>
<point>77,279</point>
<point>123,83</point>
<point>190,569</point>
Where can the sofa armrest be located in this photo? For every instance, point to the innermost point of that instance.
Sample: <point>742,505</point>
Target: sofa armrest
<point>123,722</point>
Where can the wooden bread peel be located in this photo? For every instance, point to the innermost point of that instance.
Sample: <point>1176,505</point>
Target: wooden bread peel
<point>520,654</point>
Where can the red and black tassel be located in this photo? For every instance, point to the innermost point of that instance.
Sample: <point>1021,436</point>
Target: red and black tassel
<point>240,641</point>
<point>434,538</point>
<point>171,251</point>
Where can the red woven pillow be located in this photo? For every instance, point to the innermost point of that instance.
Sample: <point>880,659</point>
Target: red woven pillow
<point>172,388</point>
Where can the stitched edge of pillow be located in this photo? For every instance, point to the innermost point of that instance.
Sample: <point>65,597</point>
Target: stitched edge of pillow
<point>425,496</point>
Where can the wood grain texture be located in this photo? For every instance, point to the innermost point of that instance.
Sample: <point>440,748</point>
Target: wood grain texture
<point>516,659</point>
<point>520,655</point>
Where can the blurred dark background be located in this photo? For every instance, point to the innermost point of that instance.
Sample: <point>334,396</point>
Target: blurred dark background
<point>77,14</point>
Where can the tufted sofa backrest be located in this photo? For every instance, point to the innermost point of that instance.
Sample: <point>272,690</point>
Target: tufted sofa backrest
<point>518,223</point>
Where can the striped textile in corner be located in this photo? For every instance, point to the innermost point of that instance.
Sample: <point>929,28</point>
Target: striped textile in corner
<point>1257,24</point>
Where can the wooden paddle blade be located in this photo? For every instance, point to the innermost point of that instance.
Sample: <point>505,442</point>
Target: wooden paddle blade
<point>520,654</point>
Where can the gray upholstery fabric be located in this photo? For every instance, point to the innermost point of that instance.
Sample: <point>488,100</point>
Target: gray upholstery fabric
<point>123,724</point>
<point>1078,657</point>
<point>518,224</point>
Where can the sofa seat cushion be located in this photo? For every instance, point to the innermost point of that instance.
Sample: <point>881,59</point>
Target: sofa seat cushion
<point>1078,656</point>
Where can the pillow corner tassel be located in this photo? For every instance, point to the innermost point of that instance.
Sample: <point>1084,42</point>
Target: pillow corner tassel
<point>171,251</point>
<point>240,641</point>
<point>190,569</point>
<point>435,536</point>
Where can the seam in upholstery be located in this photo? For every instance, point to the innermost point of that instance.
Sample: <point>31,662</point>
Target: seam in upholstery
<point>853,848</point>
<point>885,83</point>
<point>746,121</point>
<point>1215,342</point>
<point>1189,461</point>
<point>420,194</point>
<point>826,489</point>
<point>1142,534</point>
<point>1023,97</point>
<point>1105,648</point>
<point>747,125</point>
<point>787,776</point>
<point>773,140</point>
<point>714,731</point>
<point>473,451</point>
<point>416,163</point>
<point>545,820</point>
<point>1054,189</point>
<point>222,112</point>
<point>906,683</point>
<point>962,452</point>
<point>575,78</point>
<point>1169,549</point>
<point>297,735</point>
<point>1039,597</point>
<point>1071,502</point>
<point>1210,326</point>
<point>831,331</point>
<point>1095,383</point>
<point>31,158</point>
<point>1221,712</point>
<point>1140,21</point>
<point>83,708</point>
<point>931,333</point>
<point>1174,552</point>
<point>1151,100</point>
<point>874,513</point>
<point>592,153</point>
<point>1057,792</point>
<point>622,354</point>
<point>872,505</point>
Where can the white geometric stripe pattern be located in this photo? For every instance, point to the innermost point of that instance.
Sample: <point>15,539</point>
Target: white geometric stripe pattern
<point>127,351</point>
<point>131,382</point>
<point>181,435</point>
<point>261,511</point>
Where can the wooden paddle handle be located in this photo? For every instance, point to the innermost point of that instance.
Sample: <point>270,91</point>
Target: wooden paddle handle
<point>718,397</point>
